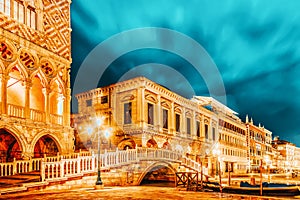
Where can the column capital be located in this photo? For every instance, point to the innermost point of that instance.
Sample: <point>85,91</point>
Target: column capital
<point>46,90</point>
<point>28,83</point>
<point>4,77</point>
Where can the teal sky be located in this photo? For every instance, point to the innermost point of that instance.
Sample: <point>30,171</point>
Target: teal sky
<point>255,45</point>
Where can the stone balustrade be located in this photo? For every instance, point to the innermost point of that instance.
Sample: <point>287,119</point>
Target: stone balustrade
<point>20,166</point>
<point>16,111</point>
<point>61,167</point>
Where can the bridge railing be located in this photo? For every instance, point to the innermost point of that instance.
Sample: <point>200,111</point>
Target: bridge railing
<point>78,164</point>
<point>192,164</point>
<point>87,164</point>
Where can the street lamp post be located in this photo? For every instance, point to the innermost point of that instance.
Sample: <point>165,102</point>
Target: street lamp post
<point>99,181</point>
<point>217,153</point>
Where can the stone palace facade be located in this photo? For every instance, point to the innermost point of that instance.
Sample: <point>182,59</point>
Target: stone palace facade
<point>35,59</point>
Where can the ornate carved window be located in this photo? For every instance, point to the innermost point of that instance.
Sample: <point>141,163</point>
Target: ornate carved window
<point>150,113</point>
<point>206,130</point>
<point>127,113</point>
<point>165,119</point>
<point>177,122</point>
<point>5,51</point>
<point>27,60</point>
<point>198,128</point>
<point>188,126</point>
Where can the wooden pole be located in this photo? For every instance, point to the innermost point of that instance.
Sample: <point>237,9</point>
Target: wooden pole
<point>261,179</point>
<point>229,170</point>
<point>220,177</point>
<point>201,175</point>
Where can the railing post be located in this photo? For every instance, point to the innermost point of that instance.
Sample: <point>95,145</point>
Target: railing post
<point>61,168</point>
<point>78,164</point>
<point>42,170</point>
<point>136,152</point>
<point>14,167</point>
<point>58,156</point>
<point>117,156</point>
<point>105,158</point>
<point>30,164</point>
<point>127,155</point>
<point>93,162</point>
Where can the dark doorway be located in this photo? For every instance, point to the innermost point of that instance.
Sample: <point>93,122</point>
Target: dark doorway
<point>9,147</point>
<point>45,146</point>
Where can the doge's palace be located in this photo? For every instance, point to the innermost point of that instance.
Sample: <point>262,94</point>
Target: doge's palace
<point>35,60</point>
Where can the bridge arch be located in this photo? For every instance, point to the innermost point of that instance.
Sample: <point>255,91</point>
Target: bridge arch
<point>153,166</point>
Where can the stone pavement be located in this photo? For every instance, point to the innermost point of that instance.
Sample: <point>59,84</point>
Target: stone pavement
<point>131,193</point>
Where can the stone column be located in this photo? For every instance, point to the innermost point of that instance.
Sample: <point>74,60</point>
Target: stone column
<point>202,127</point>
<point>4,79</point>
<point>183,123</point>
<point>67,109</point>
<point>158,112</point>
<point>142,106</point>
<point>172,124</point>
<point>46,92</point>
<point>28,86</point>
<point>193,125</point>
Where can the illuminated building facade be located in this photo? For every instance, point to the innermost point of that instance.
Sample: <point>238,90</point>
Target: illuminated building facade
<point>146,114</point>
<point>259,142</point>
<point>289,155</point>
<point>35,62</point>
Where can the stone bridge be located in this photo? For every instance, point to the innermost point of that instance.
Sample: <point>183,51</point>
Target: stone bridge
<point>126,167</point>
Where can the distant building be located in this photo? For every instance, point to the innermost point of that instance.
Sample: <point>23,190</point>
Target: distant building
<point>259,142</point>
<point>35,59</point>
<point>289,155</point>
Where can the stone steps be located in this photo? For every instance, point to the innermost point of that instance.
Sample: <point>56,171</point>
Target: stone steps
<point>19,179</point>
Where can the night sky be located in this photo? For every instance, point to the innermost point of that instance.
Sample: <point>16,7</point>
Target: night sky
<point>251,51</point>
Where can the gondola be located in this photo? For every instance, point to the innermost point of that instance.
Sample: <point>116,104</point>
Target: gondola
<point>268,189</point>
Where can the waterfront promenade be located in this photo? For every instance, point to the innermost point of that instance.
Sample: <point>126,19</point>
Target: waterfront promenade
<point>147,192</point>
<point>133,193</point>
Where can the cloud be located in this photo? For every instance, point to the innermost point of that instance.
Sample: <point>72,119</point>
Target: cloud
<point>255,45</point>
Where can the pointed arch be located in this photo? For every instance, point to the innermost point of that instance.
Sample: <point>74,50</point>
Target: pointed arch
<point>37,96</point>
<point>41,76</point>
<point>20,67</point>
<point>16,90</point>
<point>57,80</point>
